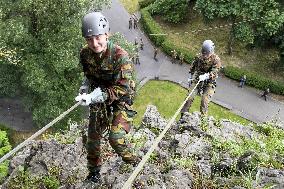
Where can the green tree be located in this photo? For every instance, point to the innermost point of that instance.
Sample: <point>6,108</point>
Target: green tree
<point>172,10</point>
<point>118,38</point>
<point>46,38</point>
<point>266,15</point>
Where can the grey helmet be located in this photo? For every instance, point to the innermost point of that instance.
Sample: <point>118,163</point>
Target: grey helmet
<point>207,47</point>
<point>94,23</point>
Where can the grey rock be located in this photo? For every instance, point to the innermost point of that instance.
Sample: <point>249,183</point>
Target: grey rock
<point>179,179</point>
<point>195,147</point>
<point>224,167</point>
<point>165,171</point>
<point>204,167</point>
<point>268,176</point>
<point>248,162</point>
<point>153,119</point>
<point>42,156</point>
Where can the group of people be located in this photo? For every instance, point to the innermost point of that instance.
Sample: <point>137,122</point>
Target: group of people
<point>109,89</point>
<point>243,80</point>
<point>133,22</point>
<point>136,58</point>
<point>109,77</point>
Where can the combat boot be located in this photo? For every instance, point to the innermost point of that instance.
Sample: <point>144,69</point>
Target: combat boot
<point>94,176</point>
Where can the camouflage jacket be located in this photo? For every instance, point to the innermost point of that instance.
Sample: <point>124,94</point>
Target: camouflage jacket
<point>202,65</point>
<point>112,71</point>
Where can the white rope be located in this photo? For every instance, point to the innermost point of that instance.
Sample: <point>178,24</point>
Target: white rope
<point>61,116</point>
<point>139,167</point>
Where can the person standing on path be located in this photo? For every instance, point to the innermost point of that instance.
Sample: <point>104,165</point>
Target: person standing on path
<point>136,58</point>
<point>243,81</point>
<point>130,23</point>
<point>174,56</point>
<point>109,74</point>
<point>155,53</point>
<point>205,68</point>
<point>141,44</point>
<point>265,93</point>
<point>135,23</point>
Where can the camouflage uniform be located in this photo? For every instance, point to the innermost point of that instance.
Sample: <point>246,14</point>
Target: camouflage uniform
<point>201,66</point>
<point>113,73</point>
<point>174,55</point>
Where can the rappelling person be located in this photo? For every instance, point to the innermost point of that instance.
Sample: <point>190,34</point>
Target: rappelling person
<point>205,68</point>
<point>108,90</point>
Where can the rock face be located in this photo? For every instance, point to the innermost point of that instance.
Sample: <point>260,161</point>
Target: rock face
<point>185,158</point>
<point>40,158</point>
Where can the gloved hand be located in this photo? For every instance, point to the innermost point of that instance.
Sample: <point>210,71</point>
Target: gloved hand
<point>84,98</point>
<point>97,96</point>
<point>204,77</point>
<point>83,89</point>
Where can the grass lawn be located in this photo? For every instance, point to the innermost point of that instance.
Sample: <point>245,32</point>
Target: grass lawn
<point>130,5</point>
<point>168,96</point>
<point>258,60</point>
<point>15,137</point>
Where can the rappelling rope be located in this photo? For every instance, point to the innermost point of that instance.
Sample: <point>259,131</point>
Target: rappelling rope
<point>61,116</point>
<point>139,167</point>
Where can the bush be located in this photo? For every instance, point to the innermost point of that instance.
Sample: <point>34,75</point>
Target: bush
<point>168,46</point>
<point>145,3</point>
<point>119,39</point>
<point>171,10</point>
<point>254,80</point>
<point>150,26</point>
<point>5,147</point>
<point>9,80</point>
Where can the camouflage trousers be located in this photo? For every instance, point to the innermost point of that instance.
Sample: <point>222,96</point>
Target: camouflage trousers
<point>208,91</point>
<point>118,124</point>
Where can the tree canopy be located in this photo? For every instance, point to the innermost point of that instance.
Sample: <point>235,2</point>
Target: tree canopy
<point>40,43</point>
<point>265,15</point>
<point>171,10</point>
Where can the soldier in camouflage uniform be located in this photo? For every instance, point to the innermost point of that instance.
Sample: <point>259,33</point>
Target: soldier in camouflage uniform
<point>205,68</point>
<point>174,56</point>
<point>136,59</point>
<point>109,76</point>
